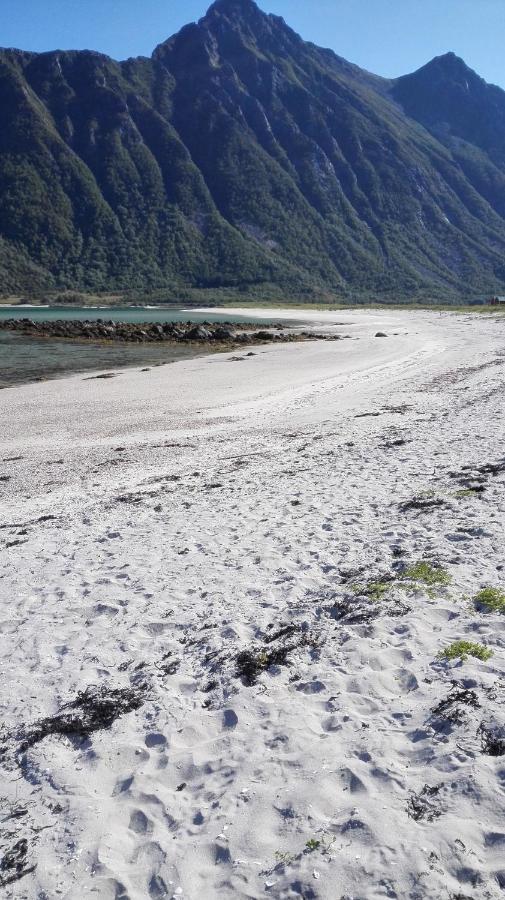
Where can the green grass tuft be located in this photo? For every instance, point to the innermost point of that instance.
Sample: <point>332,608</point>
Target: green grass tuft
<point>463,649</point>
<point>284,859</point>
<point>374,590</point>
<point>427,574</point>
<point>491,597</point>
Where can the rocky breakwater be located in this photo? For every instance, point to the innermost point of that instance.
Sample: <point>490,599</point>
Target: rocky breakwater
<point>100,330</point>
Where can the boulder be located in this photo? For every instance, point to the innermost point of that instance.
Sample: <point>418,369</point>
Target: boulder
<point>223,334</point>
<point>198,333</point>
<point>262,336</point>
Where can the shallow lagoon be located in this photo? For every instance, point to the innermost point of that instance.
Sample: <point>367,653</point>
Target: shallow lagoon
<point>25,359</point>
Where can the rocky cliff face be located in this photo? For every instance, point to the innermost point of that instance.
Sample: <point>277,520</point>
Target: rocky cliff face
<point>241,156</point>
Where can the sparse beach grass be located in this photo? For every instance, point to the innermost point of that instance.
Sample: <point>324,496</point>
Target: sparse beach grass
<point>492,598</point>
<point>420,573</point>
<point>425,573</point>
<point>374,590</point>
<point>463,649</point>
<point>468,492</point>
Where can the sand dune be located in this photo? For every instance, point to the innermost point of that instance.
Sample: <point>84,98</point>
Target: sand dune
<point>224,589</point>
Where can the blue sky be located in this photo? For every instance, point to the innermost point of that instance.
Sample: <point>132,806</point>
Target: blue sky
<point>388,37</point>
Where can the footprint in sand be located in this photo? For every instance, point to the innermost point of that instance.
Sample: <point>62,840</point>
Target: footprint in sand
<point>118,890</point>
<point>311,687</point>
<point>122,786</point>
<point>103,609</point>
<point>110,536</point>
<point>407,681</point>
<point>351,782</point>
<point>139,823</point>
<point>222,854</point>
<point>156,740</point>
<point>150,854</point>
<point>230,719</point>
<point>332,723</point>
<point>155,628</point>
<point>157,888</point>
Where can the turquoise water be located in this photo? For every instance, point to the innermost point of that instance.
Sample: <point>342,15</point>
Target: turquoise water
<point>25,359</point>
<point>120,314</point>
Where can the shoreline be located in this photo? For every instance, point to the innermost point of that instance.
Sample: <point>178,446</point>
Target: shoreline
<point>226,548</point>
<point>132,344</point>
<point>322,319</point>
<point>273,374</point>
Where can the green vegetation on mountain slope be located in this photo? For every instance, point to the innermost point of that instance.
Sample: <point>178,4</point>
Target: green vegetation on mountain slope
<point>240,158</point>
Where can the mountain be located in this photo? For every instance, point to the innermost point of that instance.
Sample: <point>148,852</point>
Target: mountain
<point>240,157</point>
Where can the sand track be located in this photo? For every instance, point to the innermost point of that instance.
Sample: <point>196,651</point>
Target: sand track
<point>211,508</point>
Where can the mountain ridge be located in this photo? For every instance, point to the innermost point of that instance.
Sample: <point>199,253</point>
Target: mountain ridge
<point>240,157</point>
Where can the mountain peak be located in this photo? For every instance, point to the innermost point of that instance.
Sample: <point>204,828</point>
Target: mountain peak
<point>450,59</point>
<point>450,62</point>
<point>453,102</point>
<point>228,28</point>
<point>241,7</point>
<point>234,11</point>
<point>449,67</point>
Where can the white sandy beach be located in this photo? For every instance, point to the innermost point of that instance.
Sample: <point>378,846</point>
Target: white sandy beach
<point>158,524</point>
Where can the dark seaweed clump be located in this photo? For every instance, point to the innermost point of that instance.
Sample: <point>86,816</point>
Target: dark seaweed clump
<point>422,504</point>
<point>451,708</point>
<point>93,710</point>
<point>423,806</point>
<point>492,740</point>
<point>13,864</point>
<point>251,663</point>
<point>372,602</point>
